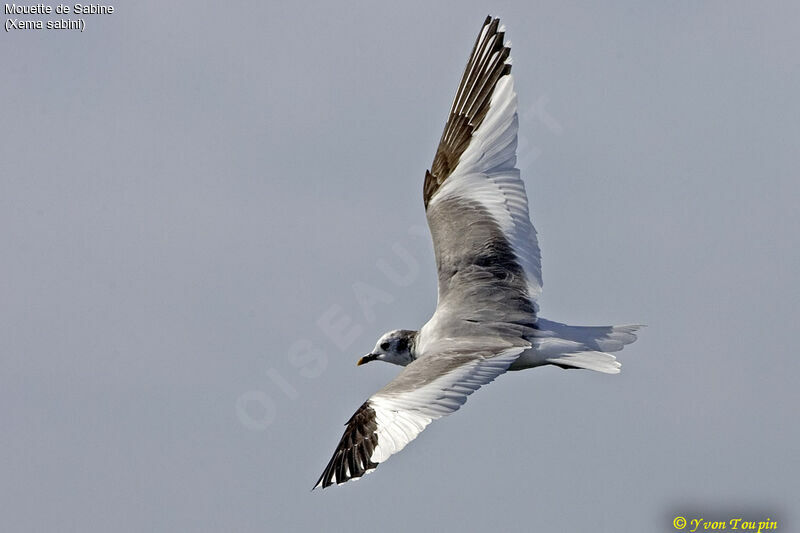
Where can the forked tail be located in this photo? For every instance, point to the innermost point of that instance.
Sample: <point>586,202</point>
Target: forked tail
<point>577,346</point>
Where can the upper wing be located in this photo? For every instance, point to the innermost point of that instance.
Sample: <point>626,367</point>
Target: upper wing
<point>486,249</point>
<point>427,389</point>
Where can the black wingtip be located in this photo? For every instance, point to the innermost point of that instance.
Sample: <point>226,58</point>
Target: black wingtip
<point>494,25</point>
<point>486,65</point>
<point>351,460</point>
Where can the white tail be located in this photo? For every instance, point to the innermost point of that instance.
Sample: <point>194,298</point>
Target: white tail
<point>577,346</point>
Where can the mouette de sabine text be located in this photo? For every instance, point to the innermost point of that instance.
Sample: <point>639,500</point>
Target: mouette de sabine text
<point>22,17</point>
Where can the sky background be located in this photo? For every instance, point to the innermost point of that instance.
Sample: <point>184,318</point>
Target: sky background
<point>195,198</point>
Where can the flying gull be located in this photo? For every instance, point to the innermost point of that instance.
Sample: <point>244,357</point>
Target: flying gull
<point>487,257</point>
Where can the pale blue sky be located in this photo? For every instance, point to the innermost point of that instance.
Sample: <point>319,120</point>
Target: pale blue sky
<point>189,192</point>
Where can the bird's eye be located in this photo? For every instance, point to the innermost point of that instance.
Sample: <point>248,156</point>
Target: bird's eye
<point>384,346</point>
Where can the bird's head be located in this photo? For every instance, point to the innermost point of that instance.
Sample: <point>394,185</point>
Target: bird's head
<point>396,347</point>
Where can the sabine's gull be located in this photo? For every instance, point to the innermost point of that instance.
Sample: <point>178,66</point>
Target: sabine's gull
<point>487,257</point>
